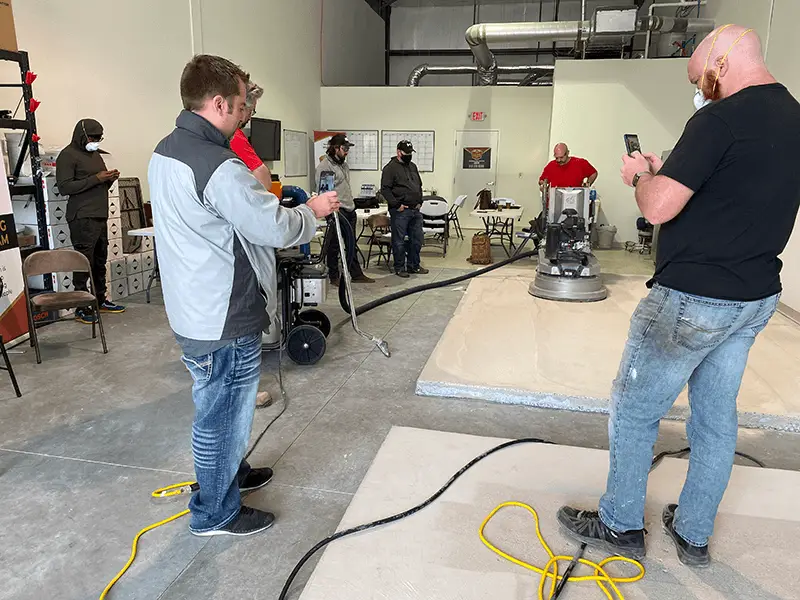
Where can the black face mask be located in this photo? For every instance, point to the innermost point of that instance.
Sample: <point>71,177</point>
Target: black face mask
<point>406,158</point>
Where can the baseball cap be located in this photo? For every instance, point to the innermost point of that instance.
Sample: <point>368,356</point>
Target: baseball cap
<point>406,147</point>
<point>340,139</point>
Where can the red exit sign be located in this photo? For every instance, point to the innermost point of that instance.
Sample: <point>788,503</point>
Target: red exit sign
<point>478,116</point>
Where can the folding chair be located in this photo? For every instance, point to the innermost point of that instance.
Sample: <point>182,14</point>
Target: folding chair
<point>381,236</point>
<point>452,216</point>
<point>435,222</point>
<point>60,261</point>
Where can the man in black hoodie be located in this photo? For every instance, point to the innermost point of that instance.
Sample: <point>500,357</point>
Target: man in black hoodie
<point>401,185</point>
<point>82,175</point>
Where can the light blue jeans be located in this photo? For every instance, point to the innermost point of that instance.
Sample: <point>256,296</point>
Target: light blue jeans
<point>675,339</point>
<point>224,394</point>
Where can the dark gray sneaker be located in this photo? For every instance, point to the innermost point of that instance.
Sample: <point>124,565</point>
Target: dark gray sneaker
<point>249,521</point>
<point>255,479</point>
<point>691,556</point>
<point>586,526</point>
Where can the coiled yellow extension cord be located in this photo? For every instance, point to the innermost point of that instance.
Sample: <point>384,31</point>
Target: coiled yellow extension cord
<point>550,570</point>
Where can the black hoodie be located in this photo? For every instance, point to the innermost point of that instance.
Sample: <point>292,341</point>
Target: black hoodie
<point>76,173</point>
<point>401,184</point>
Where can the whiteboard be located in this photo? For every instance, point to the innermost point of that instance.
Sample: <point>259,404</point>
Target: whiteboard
<point>364,155</point>
<point>296,144</point>
<point>423,141</point>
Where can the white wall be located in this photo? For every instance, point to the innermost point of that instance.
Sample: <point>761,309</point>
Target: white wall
<point>749,13</point>
<point>784,48</point>
<point>354,44</point>
<point>522,115</point>
<point>596,102</point>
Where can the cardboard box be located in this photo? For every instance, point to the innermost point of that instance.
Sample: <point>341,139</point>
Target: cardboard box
<point>113,191</point>
<point>62,282</point>
<point>147,244</point>
<point>51,191</point>
<point>135,284</point>
<point>113,208</point>
<point>148,261</point>
<point>115,229</point>
<point>115,249</point>
<point>58,237</point>
<point>56,213</point>
<point>116,269</point>
<point>8,35</point>
<point>24,209</point>
<point>118,289</point>
<point>134,262</point>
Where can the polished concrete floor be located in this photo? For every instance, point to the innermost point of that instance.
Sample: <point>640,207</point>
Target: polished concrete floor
<point>439,554</point>
<point>92,435</point>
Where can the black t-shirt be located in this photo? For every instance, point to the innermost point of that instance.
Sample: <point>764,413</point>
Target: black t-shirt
<point>741,157</point>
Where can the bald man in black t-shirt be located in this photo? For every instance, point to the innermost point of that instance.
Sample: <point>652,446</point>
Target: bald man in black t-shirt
<point>726,215</point>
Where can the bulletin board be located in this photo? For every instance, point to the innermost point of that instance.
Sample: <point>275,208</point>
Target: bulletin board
<point>424,143</point>
<point>296,159</point>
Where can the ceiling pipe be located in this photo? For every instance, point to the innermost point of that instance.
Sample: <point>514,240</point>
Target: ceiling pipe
<point>425,69</point>
<point>479,36</point>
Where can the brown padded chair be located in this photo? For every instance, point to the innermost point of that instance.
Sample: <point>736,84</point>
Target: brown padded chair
<point>59,261</point>
<point>380,225</point>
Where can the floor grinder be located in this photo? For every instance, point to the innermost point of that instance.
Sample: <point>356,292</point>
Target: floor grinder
<point>568,271</point>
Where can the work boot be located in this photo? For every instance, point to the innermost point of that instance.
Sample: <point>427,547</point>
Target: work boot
<point>255,479</point>
<point>403,274</point>
<point>248,522</point>
<point>586,526</point>
<point>419,271</point>
<point>363,279</point>
<point>691,556</point>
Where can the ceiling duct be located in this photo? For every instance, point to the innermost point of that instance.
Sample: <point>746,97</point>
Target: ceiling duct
<point>531,71</point>
<point>605,24</point>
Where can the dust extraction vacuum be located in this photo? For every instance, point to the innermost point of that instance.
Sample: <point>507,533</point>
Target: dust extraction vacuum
<point>567,270</point>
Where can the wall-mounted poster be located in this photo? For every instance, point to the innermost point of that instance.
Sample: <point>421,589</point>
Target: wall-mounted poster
<point>477,158</point>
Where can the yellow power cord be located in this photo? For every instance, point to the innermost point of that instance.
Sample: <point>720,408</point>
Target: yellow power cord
<point>550,571</point>
<point>165,492</point>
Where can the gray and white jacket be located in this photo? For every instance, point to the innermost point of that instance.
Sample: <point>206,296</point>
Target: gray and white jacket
<point>216,229</point>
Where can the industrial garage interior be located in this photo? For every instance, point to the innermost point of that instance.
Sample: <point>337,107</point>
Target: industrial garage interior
<point>368,416</point>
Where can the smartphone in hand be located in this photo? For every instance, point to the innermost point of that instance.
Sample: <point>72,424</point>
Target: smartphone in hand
<point>632,143</point>
<point>326,182</point>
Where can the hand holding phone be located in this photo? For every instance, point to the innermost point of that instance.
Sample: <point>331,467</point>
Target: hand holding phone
<point>632,143</point>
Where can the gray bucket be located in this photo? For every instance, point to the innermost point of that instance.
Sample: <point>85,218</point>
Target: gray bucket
<point>605,236</point>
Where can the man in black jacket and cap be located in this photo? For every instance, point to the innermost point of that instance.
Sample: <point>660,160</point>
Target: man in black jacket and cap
<point>82,175</point>
<point>401,185</point>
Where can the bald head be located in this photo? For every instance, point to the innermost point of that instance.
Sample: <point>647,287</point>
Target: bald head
<point>561,153</point>
<point>729,59</point>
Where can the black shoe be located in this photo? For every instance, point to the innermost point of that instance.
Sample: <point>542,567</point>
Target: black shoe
<point>255,479</point>
<point>403,274</point>
<point>363,279</point>
<point>419,271</point>
<point>586,526</point>
<point>691,556</point>
<point>248,522</point>
<point>335,280</point>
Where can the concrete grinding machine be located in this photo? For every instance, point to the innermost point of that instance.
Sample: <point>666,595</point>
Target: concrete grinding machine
<point>567,270</point>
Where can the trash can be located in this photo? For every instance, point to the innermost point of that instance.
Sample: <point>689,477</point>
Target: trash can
<point>605,236</point>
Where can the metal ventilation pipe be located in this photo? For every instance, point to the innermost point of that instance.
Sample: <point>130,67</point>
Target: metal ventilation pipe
<point>425,69</point>
<point>481,35</point>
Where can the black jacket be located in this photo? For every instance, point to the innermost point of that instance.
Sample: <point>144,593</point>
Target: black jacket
<point>401,184</point>
<point>76,171</point>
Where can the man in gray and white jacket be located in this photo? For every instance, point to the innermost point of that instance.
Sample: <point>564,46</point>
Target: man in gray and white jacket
<point>335,161</point>
<point>217,228</point>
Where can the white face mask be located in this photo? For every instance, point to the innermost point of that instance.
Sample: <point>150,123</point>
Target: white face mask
<point>700,100</point>
<point>93,146</point>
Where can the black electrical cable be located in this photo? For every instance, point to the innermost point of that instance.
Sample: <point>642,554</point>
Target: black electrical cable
<point>387,520</point>
<point>360,310</point>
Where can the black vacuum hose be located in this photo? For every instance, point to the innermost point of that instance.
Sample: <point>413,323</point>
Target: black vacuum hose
<point>360,310</point>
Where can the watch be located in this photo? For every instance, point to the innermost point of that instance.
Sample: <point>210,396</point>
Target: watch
<point>636,177</point>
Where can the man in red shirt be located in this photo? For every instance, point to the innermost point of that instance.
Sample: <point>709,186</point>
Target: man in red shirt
<point>568,171</point>
<point>241,146</point>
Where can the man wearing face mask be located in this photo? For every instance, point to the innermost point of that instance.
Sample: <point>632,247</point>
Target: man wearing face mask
<point>217,229</point>
<point>401,185</point>
<point>726,216</point>
<point>241,145</point>
<point>335,161</point>
<point>82,175</point>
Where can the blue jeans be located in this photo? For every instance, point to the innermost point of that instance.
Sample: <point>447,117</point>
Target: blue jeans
<point>224,394</point>
<point>675,339</point>
<point>407,222</point>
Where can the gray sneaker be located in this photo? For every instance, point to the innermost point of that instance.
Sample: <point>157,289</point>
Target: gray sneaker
<point>249,521</point>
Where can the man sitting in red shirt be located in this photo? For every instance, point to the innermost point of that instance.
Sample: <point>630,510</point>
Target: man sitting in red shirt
<point>568,171</point>
<point>240,144</point>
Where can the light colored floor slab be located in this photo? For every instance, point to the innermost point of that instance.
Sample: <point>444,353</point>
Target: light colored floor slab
<point>504,345</point>
<point>437,553</point>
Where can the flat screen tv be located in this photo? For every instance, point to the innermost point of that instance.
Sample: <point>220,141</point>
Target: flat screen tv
<point>265,137</point>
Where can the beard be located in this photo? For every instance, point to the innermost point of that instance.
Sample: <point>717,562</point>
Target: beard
<point>710,87</point>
